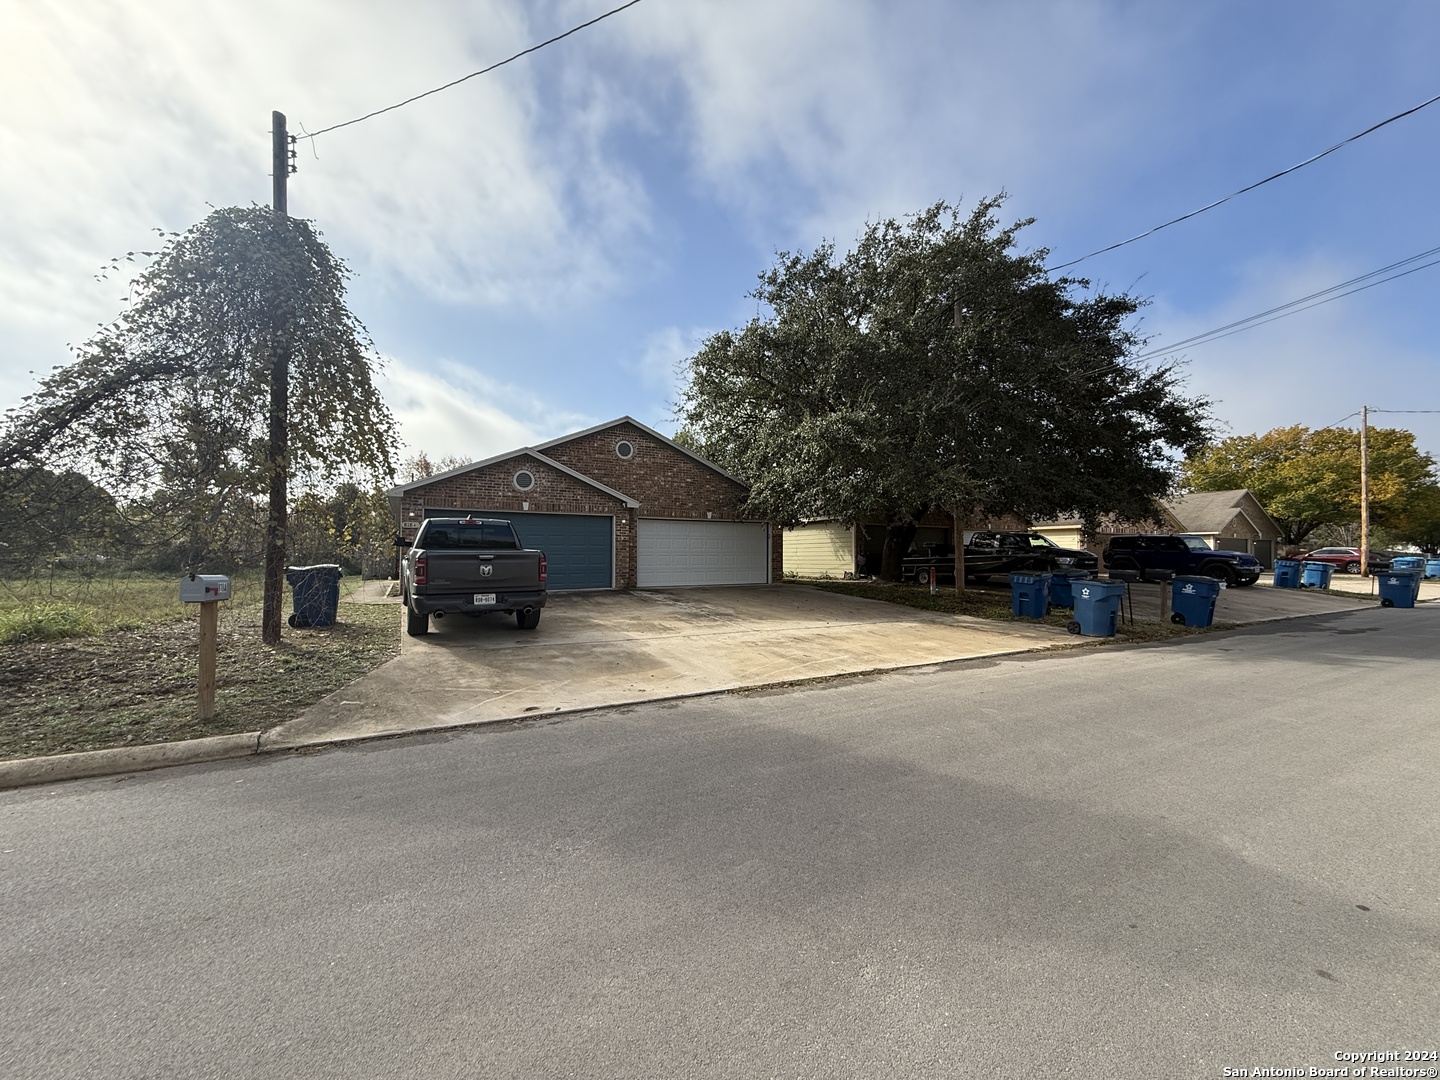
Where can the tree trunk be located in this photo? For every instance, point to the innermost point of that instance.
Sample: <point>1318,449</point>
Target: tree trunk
<point>958,542</point>
<point>898,539</point>
<point>277,462</point>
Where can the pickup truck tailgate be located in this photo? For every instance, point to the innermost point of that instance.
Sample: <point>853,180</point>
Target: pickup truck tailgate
<point>485,571</point>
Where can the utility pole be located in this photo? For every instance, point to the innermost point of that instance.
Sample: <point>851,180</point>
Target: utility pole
<point>277,447</point>
<point>1365,490</point>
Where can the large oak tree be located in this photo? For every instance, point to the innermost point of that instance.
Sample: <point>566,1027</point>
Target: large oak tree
<point>936,366</point>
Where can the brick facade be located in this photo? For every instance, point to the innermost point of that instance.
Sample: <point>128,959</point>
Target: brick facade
<point>663,479</point>
<point>667,482</point>
<point>492,488</point>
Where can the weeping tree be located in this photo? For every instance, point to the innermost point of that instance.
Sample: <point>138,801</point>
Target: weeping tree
<point>235,370</point>
<point>936,367</point>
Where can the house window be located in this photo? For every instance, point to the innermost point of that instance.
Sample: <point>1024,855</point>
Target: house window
<point>524,480</point>
<point>624,450</point>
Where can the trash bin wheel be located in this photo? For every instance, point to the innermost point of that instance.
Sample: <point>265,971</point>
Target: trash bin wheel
<point>298,619</point>
<point>1073,626</point>
<point>1387,602</point>
<point>1177,618</point>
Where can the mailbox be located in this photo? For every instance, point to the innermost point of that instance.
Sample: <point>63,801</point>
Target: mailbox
<point>204,588</point>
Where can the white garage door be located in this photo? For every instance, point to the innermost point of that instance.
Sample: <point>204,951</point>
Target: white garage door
<point>703,552</point>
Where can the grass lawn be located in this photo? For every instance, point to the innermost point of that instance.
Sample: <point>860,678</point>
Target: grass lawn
<point>993,602</point>
<point>69,603</point>
<point>134,684</point>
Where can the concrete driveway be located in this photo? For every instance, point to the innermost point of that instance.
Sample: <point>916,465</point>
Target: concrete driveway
<point>611,648</point>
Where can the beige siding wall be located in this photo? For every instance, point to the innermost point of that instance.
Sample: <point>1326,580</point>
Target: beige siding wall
<point>819,549</point>
<point>1067,536</point>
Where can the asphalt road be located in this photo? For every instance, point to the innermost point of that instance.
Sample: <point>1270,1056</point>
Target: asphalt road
<point>1154,862</point>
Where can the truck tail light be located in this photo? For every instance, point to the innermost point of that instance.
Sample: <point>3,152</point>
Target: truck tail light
<point>420,571</point>
<point>542,569</point>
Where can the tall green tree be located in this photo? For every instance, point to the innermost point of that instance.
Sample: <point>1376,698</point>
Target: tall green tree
<point>1417,521</point>
<point>936,366</point>
<point>176,395</point>
<point>1307,478</point>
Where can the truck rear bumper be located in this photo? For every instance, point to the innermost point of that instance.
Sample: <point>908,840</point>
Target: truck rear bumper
<point>464,603</point>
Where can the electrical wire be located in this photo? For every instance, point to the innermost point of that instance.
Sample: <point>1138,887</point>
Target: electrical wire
<point>1294,307</point>
<point>473,74</point>
<point>1249,187</point>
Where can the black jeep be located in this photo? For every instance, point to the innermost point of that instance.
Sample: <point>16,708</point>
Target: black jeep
<point>1154,555</point>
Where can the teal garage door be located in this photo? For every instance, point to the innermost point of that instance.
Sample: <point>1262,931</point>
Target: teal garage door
<point>579,548</point>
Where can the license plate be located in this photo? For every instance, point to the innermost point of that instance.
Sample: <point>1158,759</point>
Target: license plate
<point>484,598</point>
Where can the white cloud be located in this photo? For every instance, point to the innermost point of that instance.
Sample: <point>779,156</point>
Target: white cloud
<point>870,118</point>
<point>127,117</point>
<point>463,413</point>
<point>659,369</point>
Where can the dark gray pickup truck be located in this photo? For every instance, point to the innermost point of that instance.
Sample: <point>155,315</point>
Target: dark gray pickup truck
<point>470,566</point>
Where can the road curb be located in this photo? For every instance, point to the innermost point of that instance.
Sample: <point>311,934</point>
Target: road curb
<point>26,772</point>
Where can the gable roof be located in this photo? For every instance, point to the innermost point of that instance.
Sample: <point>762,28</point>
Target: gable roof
<point>1211,511</point>
<point>395,493</point>
<point>648,431</point>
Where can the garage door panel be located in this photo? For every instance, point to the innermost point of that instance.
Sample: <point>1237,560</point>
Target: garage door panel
<point>703,552</point>
<point>579,548</point>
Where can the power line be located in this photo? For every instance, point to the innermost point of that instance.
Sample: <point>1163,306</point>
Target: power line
<point>1294,307</point>
<point>1249,187</point>
<point>473,74</point>
<point>1312,296</point>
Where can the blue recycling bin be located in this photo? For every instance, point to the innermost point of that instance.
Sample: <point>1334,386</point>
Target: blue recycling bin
<point>1315,575</point>
<point>1408,562</point>
<point>1287,573</point>
<point>1398,588</point>
<point>1097,607</point>
<point>1432,568</point>
<point>316,594</point>
<point>1192,600</point>
<point>1030,595</point>
<point>1062,593</point>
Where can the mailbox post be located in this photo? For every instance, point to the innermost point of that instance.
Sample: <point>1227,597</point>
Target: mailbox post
<point>207,590</point>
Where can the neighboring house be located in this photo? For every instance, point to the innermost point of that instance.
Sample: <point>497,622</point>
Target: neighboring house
<point>613,507</point>
<point>1229,521</point>
<point>831,549</point>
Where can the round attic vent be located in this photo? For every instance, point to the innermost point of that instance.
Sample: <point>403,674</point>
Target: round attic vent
<point>624,450</point>
<point>524,480</point>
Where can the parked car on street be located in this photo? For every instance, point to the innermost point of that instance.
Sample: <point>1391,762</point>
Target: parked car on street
<point>1347,559</point>
<point>1151,554</point>
<point>470,566</point>
<point>991,553</point>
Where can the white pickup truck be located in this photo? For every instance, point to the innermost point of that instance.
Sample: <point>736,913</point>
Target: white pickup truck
<point>470,566</point>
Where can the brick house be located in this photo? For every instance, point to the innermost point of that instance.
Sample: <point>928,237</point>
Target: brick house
<point>615,506</point>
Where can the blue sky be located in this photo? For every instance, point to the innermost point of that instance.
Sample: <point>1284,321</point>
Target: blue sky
<point>536,249</point>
